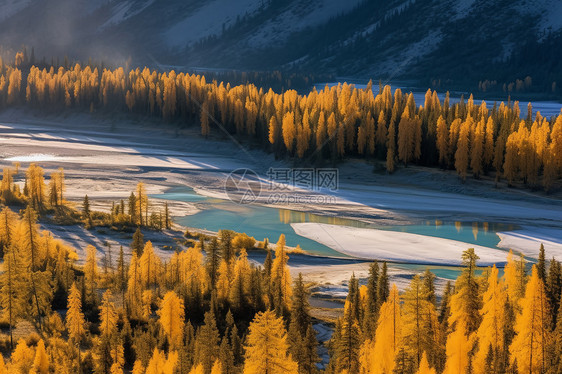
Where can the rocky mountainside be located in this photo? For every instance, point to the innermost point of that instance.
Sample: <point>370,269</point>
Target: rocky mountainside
<point>432,40</point>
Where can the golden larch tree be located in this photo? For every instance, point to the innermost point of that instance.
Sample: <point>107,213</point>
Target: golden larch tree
<point>75,321</point>
<point>458,347</point>
<point>267,349</point>
<point>424,367</point>
<point>150,266</point>
<point>171,315</point>
<point>91,271</point>
<point>442,141</point>
<point>388,338</point>
<point>515,279</point>
<point>477,149</point>
<point>289,130</point>
<point>41,361</point>
<point>419,320</point>
<point>462,152</point>
<point>532,328</point>
<point>108,315</point>
<point>159,364</point>
<point>281,276</point>
<point>491,331</point>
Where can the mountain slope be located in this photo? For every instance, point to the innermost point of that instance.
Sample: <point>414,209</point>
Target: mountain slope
<point>432,39</point>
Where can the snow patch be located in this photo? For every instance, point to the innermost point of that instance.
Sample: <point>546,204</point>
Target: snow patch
<point>394,246</point>
<point>528,241</point>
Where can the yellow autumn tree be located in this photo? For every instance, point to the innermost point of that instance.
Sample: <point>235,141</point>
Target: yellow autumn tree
<point>273,130</point>
<point>419,321</point>
<point>489,142</point>
<point>138,368</point>
<point>108,315</point>
<point>424,367</point>
<point>217,367</point>
<point>267,349</point>
<point>289,130</point>
<point>491,331</point>
<point>532,329</point>
<point>150,265</point>
<point>442,141</point>
<point>171,315</point>
<point>388,337</point>
<point>463,144</point>
<point>75,322</point>
<point>459,345</point>
<point>41,361</point>
<point>477,149</point>
<point>91,271</point>
<point>22,358</point>
<point>159,364</point>
<point>134,288</point>
<point>197,369</point>
<point>515,279</point>
<point>281,276</point>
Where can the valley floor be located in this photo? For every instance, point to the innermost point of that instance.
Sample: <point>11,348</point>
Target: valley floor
<point>106,157</point>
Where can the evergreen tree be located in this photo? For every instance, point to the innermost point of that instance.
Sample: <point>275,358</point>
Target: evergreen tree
<point>383,287</point>
<point>137,245</point>
<point>419,321</point>
<point>225,237</point>
<point>554,287</point>
<point>372,301</point>
<point>465,302</point>
<point>207,342</point>
<point>541,265</point>
<point>212,259</point>
<point>300,306</point>
<point>132,207</point>
<point>347,343</point>
<point>121,281</point>
<point>166,216</point>
<point>86,214</point>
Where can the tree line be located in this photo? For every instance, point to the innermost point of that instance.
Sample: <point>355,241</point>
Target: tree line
<point>329,124</point>
<point>482,324</point>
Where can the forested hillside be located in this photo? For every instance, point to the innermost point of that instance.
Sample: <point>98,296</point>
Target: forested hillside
<point>428,41</point>
<point>322,126</point>
<point>208,309</point>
